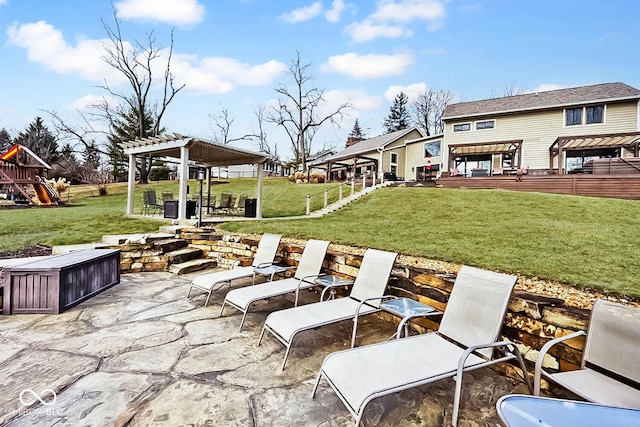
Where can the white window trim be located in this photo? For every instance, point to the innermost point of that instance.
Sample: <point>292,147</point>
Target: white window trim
<point>584,116</point>
<point>475,124</point>
<point>453,126</point>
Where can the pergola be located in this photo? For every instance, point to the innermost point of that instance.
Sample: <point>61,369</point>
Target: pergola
<point>194,151</point>
<point>559,148</point>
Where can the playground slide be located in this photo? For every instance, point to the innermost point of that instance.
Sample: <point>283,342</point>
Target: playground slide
<point>42,194</point>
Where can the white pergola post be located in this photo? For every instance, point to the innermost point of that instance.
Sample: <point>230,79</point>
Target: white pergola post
<point>208,188</point>
<point>184,180</point>
<point>259,198</point>
<point>131,183</point>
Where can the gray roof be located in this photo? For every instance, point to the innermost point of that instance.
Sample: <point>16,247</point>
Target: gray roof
<point>371,144</point>
<point>605,92</point>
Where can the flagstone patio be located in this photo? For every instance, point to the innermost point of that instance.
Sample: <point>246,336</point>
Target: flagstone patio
<point>142,353</point>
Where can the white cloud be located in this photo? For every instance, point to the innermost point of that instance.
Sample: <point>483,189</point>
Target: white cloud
<point>391,18</point>
<point>412,91</point>
<point>46,45</point>
<point>89,101</point>
<point>333,14</point>
<point>547,86</point>
<point>369,66</point>
<point>367,30</point>
<point>178,12</point>
<point>303,14</point>
<point>222,74</point>
<point>3,2</point>
<point>360,100</point>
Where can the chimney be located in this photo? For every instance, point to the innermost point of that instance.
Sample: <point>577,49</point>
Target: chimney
<point>351,140</point>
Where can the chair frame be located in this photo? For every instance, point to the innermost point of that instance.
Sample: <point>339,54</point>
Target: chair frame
<point>483,353</point>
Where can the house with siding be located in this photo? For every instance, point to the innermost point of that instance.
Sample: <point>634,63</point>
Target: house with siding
<point>548,132</point>
<point>372,157</point>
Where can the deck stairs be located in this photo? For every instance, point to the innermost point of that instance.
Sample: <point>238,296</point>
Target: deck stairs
<point>346,200</point>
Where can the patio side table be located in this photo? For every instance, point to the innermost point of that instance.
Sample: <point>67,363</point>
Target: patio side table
<point>407,309</point>
<point>330,282</point>
<point>532,411</point>
<point>269,270</point>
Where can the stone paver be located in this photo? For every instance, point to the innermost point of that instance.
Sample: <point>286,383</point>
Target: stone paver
<point>142,353</point>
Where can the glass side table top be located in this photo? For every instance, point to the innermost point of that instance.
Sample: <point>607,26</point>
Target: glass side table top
<point>331,280</point>
<point>270,270</point>
<point>406,307</point>
<point>531,411</point>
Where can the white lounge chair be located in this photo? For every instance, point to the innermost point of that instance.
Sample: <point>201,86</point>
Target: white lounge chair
<point>610,361</point>
<point>465,341</point>
<point>265,255</point>
<point>307,271</point>
<point>365,296</point>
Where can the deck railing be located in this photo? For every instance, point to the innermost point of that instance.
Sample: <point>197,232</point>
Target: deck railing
<point>18,174</point>
<point>325,192</point>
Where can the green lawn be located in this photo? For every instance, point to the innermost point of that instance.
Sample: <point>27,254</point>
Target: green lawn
<point>588,242</point>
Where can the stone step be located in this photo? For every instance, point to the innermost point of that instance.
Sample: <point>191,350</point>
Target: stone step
<point>191,266</point>
<point>183,255</point>
<point>121,239</point>
<point>170,245</point>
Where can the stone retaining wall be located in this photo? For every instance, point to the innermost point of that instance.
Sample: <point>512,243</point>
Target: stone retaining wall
<point>531,319</point>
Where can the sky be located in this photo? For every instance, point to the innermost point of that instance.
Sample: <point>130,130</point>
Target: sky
<point>232,54</point>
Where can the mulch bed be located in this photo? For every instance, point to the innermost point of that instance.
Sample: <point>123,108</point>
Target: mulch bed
<point>36,250</point>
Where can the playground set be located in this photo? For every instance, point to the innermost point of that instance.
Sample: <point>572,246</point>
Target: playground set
<point>24,183</point>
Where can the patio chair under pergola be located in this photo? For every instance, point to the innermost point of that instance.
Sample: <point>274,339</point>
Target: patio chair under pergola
<point>194,151</point>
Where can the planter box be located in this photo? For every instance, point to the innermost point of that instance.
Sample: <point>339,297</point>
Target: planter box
<point>57,283</point>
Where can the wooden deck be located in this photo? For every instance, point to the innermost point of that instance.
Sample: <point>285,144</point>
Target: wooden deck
<point>615,186</point>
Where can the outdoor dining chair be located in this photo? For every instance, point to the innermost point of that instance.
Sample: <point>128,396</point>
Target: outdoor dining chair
<point>368,290</point>
<point>466,340</point>
<point>265,255</point>
<point>307,271</point>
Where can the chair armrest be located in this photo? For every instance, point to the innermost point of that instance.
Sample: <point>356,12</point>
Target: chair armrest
<point>304,279</point>
<point>265,264</point>
<point>537,373</point>
<point>357,313</point>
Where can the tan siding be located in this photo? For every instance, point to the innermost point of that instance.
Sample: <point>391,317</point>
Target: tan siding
<point>539,130</point>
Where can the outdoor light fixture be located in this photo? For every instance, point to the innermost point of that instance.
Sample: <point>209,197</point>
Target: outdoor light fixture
<point>200,179</point>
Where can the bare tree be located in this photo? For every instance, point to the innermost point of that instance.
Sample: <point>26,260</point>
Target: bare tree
<point>427,110</point>
<point>222,128</point>
<point>135,110</point>
<point>263,145</point>
<point>510,89</point>
<point>135,63</point>
<point>297,110</point>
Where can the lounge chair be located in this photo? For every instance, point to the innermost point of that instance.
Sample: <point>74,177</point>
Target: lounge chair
<point>465,341</point>
<point>265,256</point>
<point>365,296</point>
<point>307,271</point>
<point>610,368</point>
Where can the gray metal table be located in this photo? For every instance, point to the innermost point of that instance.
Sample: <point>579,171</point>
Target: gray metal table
<point>407,309</point>
<point>269,270</point>
<point>531,411</point>
<point>330,282</point>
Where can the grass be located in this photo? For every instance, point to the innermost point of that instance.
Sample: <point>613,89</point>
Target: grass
<point>587,242</point>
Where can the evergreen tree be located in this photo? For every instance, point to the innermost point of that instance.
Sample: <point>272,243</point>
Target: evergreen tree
<point>356,132</point>
<point>398,117</point>
<point>5,140</point>
<point>126,126</point>
<point>39,140</point>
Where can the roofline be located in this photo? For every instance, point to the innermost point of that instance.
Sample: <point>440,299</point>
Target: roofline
<point>548,107</point>
<point>424,138</point>
<point>353,153</point>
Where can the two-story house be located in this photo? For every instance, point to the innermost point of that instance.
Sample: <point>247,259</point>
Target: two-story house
<point>553,131</point>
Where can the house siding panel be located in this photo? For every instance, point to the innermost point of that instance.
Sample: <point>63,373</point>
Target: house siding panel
<point>539,130</point>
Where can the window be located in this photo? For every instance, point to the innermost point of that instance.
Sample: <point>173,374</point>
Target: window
<point>595,114</point>
<point>394,158</point>
<point>573,116</point>
<point>432,149</point>
<point>487,124</point>
<point>462,127</point>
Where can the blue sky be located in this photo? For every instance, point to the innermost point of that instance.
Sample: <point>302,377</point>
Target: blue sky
<point>231,54</point>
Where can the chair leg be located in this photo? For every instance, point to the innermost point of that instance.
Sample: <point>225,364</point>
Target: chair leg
<point>317,384</point>
<point>222,308</point>
<point>208,296</point>
<point>286,356</point>
<point>262,334</point>
<point>190,289</point>
<point>244,316</point>
<point>456,399</point>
